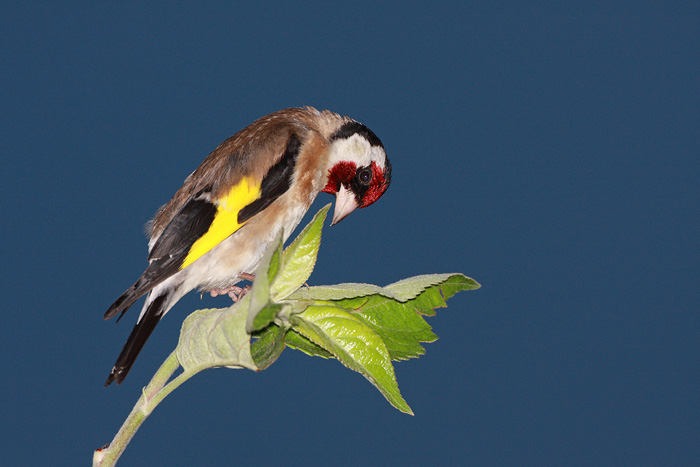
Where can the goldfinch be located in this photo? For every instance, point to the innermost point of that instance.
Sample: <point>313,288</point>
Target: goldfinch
<point>216,228</point>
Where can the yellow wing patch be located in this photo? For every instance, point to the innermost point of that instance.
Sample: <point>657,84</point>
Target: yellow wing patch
<point>226,219</point>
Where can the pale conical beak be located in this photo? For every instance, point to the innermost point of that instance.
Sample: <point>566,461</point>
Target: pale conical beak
<point>345,203</point>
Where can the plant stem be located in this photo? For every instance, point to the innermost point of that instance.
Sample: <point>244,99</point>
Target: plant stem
<point>152,395</point>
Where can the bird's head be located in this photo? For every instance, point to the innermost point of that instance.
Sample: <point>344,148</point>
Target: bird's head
<point>359,171</point>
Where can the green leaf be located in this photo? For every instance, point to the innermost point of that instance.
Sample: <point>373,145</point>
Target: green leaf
<point>298,260</point>
<point>436,295</point>
<point>215,337</point>
<point>275,258</point>
<point>260,294</point>
<point>411,287</point>
<point>264,317</point>
<point>457,283</point>
<point>402,291</point>
<point>398,324</point>
<point>296,341</point>
<point>355,344</point>
<point>268,346</point>
<point>336,292</point>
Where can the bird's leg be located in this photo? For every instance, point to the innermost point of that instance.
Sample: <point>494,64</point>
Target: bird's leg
<point>234,291</point>
<point>247,277</point>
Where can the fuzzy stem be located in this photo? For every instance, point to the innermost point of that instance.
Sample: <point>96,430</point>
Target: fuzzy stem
<point>152,395</point>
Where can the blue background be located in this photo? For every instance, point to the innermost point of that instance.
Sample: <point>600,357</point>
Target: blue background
<point>550,151</point>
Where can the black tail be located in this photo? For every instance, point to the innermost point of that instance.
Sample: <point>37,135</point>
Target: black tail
<point>138,337</point>
<point>156,272</point>
<point>128,298</point>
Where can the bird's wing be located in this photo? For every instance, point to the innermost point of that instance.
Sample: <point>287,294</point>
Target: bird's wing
<point>204,220</point>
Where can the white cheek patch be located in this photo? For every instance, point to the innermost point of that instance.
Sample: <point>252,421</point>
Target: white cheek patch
<point>378,155</point>
<point>358,150</point>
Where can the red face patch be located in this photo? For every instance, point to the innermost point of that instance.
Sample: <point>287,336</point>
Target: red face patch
<point>376,188</point>
<point>344,173</point>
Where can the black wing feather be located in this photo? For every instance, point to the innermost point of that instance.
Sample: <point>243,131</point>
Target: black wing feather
<point>191,222</point>
<point>170,250</point>
<point>276,181</point>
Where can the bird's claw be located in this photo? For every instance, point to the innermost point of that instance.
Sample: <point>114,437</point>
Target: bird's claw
<point>234,291</point>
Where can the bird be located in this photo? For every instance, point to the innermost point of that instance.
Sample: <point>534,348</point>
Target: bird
<point>216,228</point>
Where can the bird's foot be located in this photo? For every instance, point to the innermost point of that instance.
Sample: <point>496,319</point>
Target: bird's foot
<point>234,291</point>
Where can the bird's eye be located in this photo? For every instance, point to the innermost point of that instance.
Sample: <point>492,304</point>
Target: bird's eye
<point>364,176</point>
